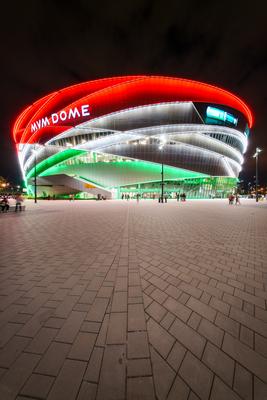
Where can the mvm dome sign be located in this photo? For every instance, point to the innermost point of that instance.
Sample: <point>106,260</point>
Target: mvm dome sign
<point>61,116</point>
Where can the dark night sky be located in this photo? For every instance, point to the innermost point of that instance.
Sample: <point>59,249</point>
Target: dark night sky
<point>47,45</point>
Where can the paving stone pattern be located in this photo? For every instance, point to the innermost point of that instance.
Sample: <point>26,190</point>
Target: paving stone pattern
<point>116,300</point>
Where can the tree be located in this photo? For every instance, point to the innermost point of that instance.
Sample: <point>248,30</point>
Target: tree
<point>3,184</point>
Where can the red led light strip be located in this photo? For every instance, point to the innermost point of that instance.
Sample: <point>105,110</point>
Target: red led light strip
<point>114,94</point>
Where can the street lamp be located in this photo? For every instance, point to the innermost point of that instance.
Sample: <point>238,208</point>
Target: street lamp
<point>256,155</point>
<point>161,146</point>
<point>35,174</point>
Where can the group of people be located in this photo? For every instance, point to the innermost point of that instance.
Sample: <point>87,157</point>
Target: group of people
<point>181,196</point>
<point>234,198</point>
<point>138,196</point>
<point>5,201</point>
<point>126,196</point>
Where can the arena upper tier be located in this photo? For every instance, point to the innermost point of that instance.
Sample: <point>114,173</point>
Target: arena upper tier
<point>112,136</point>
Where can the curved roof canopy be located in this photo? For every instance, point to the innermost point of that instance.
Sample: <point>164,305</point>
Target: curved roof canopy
<point>104,96</point>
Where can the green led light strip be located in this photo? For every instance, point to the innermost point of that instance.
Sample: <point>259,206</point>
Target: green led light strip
<point>54,160</point>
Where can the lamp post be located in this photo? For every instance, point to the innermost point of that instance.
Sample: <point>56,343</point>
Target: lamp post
<point>256,156</point>
<point>162,182</point>
<point>162,171</point>
<point>35,179</point>
<point>35,174</point>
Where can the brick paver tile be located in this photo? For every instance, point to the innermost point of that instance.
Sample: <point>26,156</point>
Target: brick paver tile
<point>201,309</point>
<point>71,327</point>
<point>93,327</point>
<point>37,386</point>
<point>65,307</point>
<point>243,382</point>
<point>179,390</point>
<point>42,340</point>
<point>177,309</point>
<point>136,317</point>
<point>192,396</point>
<point>113,374</point>
<point>196,375</point>
<point>156,311</point>
<point>31,328</point>
<point>219,305</point>
<point>211,332</point>
<point>53,359</point>
<point>105,291</point>
<point>36,303</point>
<point>12,350</point>
<point>188,337</point>
<point>83,346</point>
<point>137,345</point>
<point>219,362</point>
<point>247,336</point>
<point>101,338</point>
<point>233,301</point>
<point>173,291</point>
<point>222,392</point>
<point>140,388</point>
<point>183,299</point>
<point>163,375</point>
<point>94,365</point>
<point>117,328</point>
<point>97,310</point>
<point>87,391</point>
<point>160,339</point>
<point>260,389</point>
<point>119,302</point>
<point>250,298</point>
<point>141,367</point>
<point>54,323</point>
<point>176,355</point>
<point>227,324</point>
<point>212,291</point>
<point>249,321</point>
<point>253,361</point>
<point>67,383</point>
<point>88,297</point>
<point>159,295</point>
<point>14,379</point>
<point>7,332</point>
<point>260,345</point>
<point>191,290</point>
<point>121,284</point>
<point>194,320</point>
<point>167,321</point>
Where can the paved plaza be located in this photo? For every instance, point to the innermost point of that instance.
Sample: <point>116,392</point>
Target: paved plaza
<point>116,300</point>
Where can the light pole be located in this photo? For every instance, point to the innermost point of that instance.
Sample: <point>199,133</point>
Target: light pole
<point>256,156</point>
<point>35,175</point>
<point>161,146</point>
<point>162,182</point>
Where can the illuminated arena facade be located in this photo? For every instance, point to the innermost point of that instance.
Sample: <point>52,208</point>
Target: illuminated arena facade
<point>113,136</point>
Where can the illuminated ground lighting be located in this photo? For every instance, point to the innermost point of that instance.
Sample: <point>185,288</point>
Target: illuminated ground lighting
<point>112,135</point>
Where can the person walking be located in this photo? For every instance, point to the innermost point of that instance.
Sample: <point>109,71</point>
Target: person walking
<point>19,201</point>
<point>237,199</point>
<point>231,199</point>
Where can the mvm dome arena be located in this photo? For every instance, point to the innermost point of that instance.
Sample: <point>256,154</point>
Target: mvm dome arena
<point>113,136</point>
